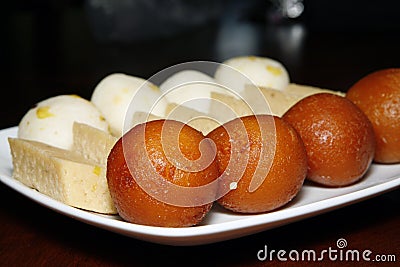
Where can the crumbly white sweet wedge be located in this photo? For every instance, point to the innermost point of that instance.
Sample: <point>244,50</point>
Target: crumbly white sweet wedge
<point>93,144</point>
<point>280,101</point>
<point>203,122</point>
<point>61,174</point>
<point>306,90</point>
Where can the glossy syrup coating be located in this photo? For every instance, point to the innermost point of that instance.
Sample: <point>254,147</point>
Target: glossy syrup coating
<point>378,96</point>
<point>285,163</point>
<point>338,137</point>
<point>137,205</point>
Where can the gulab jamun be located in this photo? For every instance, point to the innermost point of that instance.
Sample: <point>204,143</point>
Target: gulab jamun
<point>262,161</point>
<point>156,163</point>
<point>338,137</point>
<point>378,96</point>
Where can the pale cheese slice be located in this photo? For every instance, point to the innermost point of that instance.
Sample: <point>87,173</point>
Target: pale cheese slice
<point>198,120</point>
<point>306,90</point>
<point>281,101</point>
<point>224,107</point>
<point>227,104</point>
<point>93,144</point>
<point>61,174</point>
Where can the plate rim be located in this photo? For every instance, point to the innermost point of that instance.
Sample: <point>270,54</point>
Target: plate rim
<point>200,234</point>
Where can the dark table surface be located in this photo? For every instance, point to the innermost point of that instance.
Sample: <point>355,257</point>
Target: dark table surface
<point>49,49</point>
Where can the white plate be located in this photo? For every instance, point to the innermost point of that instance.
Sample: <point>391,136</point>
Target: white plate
<point>220,224</point>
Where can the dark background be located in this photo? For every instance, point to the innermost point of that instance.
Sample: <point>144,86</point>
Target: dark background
<point>68,46</point>
<point>49,48</point>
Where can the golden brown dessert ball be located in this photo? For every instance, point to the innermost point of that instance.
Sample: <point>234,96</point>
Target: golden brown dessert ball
<point>141,154</point>
<point>378,96</point>
<point>338,137</point>
<point>248,144</point>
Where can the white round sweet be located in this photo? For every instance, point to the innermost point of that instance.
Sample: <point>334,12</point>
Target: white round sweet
<point>184,77</point>
<point>115,94</point>
<point>51,120</point>
<point>260,71</point>
<point>191,88</point>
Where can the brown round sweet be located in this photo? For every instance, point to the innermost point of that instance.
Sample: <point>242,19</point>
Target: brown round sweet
<point>258,143</point>
<point>338,137</point>
<point>378,96</point>
<point>140,159</point>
